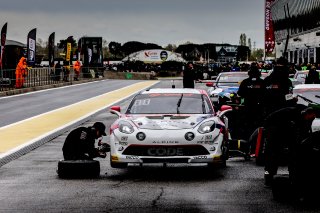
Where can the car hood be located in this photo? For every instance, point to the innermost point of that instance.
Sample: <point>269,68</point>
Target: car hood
<point>223,90</point>
<point>168,122</point>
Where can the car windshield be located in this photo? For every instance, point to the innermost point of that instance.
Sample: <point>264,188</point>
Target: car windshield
<point>300,76</point>
<point>170,103</point>
<point>231,79</point>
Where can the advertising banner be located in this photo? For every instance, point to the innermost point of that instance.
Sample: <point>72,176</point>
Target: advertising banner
<point>269,32</point>
<point>51,49</point>
<point>3,42</point>
<point>31,47</point>
<point>68,51</point>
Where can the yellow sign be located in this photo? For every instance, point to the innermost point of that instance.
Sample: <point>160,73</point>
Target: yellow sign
<point>68,51</point>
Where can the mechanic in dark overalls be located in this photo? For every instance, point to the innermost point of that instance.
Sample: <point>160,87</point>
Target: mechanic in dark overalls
<point>285,129</point>
<point>189,76</point>
<point>278,86</point>
<point>80,143</point>
<point>251,91</point>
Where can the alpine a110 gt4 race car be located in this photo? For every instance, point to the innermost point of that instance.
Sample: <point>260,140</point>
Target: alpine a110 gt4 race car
<point>168,126</point>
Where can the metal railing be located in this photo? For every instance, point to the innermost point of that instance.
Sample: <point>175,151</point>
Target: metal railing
<point>47,76</point>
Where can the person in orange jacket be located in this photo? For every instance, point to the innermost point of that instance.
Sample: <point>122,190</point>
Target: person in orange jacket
<point>76,68</point>
<point>21,72</point>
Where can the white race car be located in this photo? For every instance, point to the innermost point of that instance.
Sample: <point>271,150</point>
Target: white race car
<point>169,126</point>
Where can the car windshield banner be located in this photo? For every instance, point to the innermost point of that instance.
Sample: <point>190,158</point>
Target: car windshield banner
<point>51,49</point>
<point>3,42</point>
<point>31,47</point>
<point>269,33</point>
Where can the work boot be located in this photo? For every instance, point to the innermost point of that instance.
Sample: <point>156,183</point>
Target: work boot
<point>268,178</point>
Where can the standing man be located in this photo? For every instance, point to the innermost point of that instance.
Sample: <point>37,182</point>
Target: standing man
<point>21,72</point>
<point>251,91</point>
<point>189,76</point>
<point>76,68</point>
<point>278,87</point>
<point>57,71</point>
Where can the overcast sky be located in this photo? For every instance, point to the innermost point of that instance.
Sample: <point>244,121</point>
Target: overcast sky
<point>150,21</point>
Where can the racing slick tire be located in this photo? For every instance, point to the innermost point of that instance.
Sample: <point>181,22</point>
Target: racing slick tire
<point>78,169</point>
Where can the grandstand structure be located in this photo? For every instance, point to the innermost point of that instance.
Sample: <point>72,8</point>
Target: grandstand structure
<point>299,21</point>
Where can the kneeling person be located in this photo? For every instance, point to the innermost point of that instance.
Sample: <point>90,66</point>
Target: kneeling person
<point>79,144</point>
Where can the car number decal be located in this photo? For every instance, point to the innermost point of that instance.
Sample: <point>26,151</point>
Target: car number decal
<point>143,102</point>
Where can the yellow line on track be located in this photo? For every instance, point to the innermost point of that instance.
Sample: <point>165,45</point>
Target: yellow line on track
<point>23,132</point>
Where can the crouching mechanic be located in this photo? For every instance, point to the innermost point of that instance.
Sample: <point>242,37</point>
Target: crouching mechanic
<point>80,143</point>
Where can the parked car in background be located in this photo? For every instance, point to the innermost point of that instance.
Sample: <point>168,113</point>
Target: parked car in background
<point>225,84</point>
<point>300,77</point>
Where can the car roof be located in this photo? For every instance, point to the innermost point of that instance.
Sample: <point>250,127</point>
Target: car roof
<point>174,90</point>
<point>230,73</point>
<point>307,86</point>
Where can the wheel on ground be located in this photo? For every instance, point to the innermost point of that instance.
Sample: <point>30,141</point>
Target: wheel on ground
<point>78,169</point>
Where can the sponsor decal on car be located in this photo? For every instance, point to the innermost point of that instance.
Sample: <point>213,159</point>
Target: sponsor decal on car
<point>132,157</point>
<point>114,158</point>
<point>165,151</point>
<point>124,138</point>
<point>200,157</point>
<point>165,142</point>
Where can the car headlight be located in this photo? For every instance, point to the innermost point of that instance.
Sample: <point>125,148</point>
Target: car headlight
<point>125,127</point>
<point>207,127</point>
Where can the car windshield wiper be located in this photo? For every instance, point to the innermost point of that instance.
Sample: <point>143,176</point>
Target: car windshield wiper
<point>179,103</point>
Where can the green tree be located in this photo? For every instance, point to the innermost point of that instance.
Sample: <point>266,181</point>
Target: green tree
<point>105,49</point>
<point>115,48</point>
<point>171,47</point>
<point>257,55</point>
<point>243,40</point>
<point>41,47</point>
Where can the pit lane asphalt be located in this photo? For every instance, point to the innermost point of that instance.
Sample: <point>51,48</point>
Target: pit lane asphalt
<point>30,184</point>
<point>20,137</point>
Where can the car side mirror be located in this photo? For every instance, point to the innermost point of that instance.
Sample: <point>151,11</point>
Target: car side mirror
<point>224,109</point>
<point>115,110</point>
<point>209,84</point>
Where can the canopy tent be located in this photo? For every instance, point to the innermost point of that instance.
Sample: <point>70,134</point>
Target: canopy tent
<point>156,56</point>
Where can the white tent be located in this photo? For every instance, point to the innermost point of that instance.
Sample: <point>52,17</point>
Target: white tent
<point>156,56</point>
